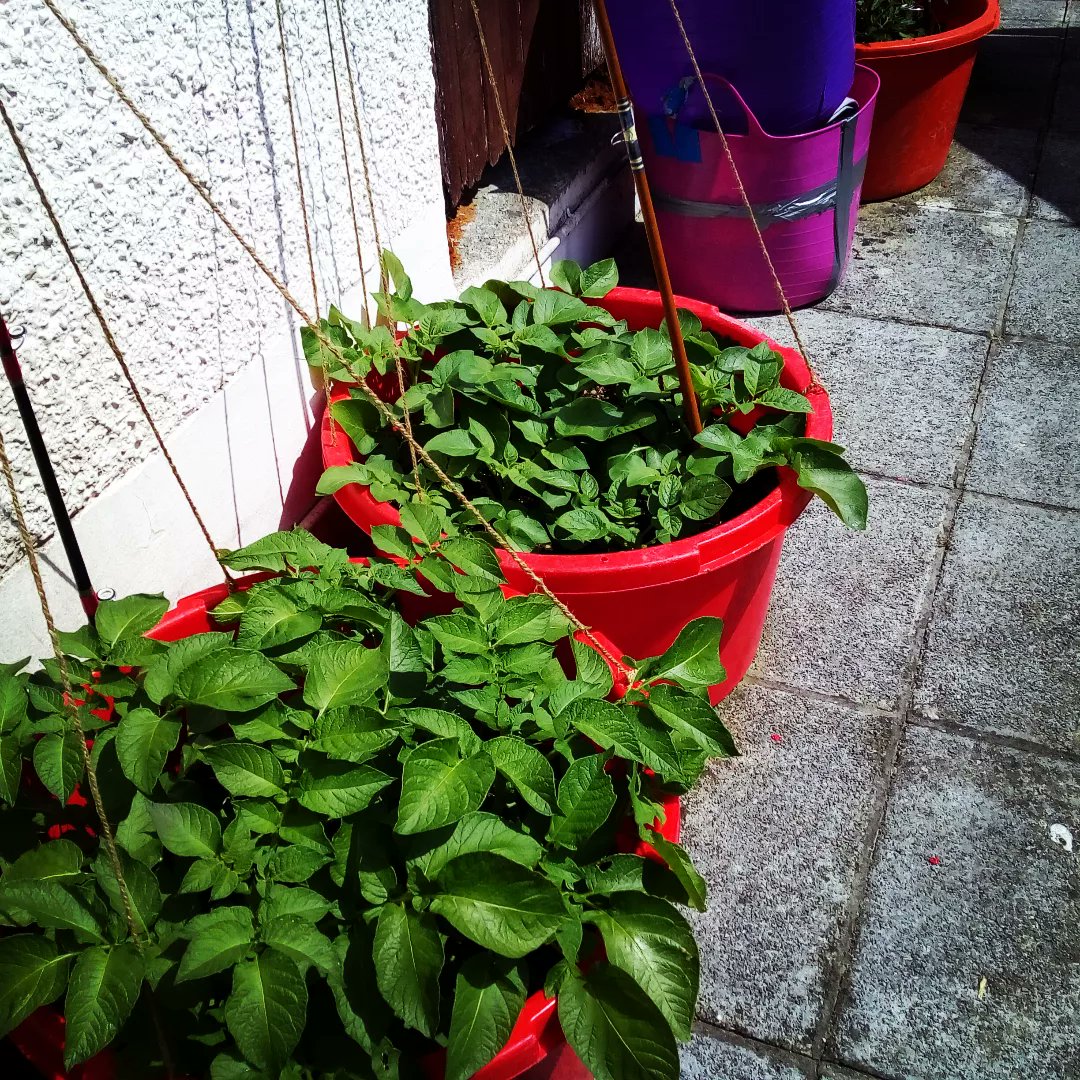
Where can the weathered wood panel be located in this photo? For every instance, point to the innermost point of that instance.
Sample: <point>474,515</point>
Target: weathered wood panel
<point>537,54</point>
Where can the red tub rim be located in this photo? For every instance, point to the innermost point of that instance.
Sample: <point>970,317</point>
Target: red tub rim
<point>659,563</point>
<point>988,19</point>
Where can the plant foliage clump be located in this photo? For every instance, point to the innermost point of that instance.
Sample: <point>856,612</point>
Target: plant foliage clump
<point>562,424</point>
<point>348,841</point>
<point>894,20</point>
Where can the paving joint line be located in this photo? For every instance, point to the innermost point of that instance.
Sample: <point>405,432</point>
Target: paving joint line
<point>994,738</point>
<point>837,976</point>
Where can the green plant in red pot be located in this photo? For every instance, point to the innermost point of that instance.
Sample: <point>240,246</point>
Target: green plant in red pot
<point>347,847</point>
<point>557,412</point>
<point>923,52</point>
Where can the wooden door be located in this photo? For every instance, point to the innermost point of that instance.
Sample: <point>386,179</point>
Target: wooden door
<point>540,50</point>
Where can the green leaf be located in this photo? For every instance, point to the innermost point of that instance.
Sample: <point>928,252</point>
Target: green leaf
<point>438,787</point>
<point>33,972</point>
<point>498,904</point>
<point>648,939</point>
<point>459,633</point>
<point>216,941</point>
<point>682,866</point>
<point>244,769</point>
<point>627,729</point>
<point>586,798</point>
<point>144,892</point>
<point>703,497</point>
<point>601,420</point>
<point>232,680</point>
<point>343,673</point>
<point>11,763</point>
<point>600,278</point>
<point>540,336</point>
<point>527,769</point>
<point>54,905</point>
<point>488,996</point>
<point>162,672</point>
<point>566,275</point>
<point>525,619</point>
<point>283,552</point>
<point>403,658</point>
<point>296,864</point>
<point>105,984</point>
<point>481,832</point>
<point>186,829</point>
<point>273,618</point>
<point>614,1028</point>
<point>453,443</point>
<point>267,1009</point>
<point>143,741</point>
<point>472,557</point>
<point>692,716</point>
<point>129,617</point>
<point>446,725</point>
<point>299,939</point>
<point>57,860</point>
<point>408,956</point>
<point>787,400</point>
<point>486,304</point>
<point>58,760</point>
<point>336,790</point>
<point>351,734</point>
<point>12,703</point>
<point>284,900</point>
<point>694,657</point>
<point>829,476</point>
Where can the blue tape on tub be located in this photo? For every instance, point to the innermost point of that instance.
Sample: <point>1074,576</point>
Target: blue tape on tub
<point>675,140</point>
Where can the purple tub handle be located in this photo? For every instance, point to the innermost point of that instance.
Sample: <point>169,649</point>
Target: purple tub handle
<point>676,98</point>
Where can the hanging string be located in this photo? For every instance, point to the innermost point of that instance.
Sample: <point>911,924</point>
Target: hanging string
<point>113,855</point>
<point>506,137</point>
<point>110,339</point>
<point>392,421</point>
<point>384,283</point>
<point>345,159</point>
<point>780,293</point>
<point>296,154</point>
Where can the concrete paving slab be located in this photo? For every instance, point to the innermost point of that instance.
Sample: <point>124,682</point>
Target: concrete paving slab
<point>1027,446</point>
<point>845,606</point>
<point>927,265</point>
<point>1057,186</point>
<point>1066,112</point>
<point>886,383</point>
<point>1002,654</point>
<point>1021,15</point>
<point>1013,82</point>
<point>989,169</point>
<point>966,970</point>
<point>1045,297</point>
<point>777,833</point>
<point>715,1056</point>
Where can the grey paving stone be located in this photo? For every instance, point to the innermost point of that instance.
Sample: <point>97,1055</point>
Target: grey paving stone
<point>927,265</point>
<point>713,1056</point>
<point>1027,445</point>
<point>776,833</point>
<point>845,605</point>
<point>1021,15</point>
<point>1013,82</point>
<point>1045,297</point>
<point>865,363</point>
<point>988,169</point>
<point>1000,906</point>
<point>1057,186</point>
<point>1002,648</point>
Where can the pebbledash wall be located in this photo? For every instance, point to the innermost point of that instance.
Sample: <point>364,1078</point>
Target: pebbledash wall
<point>212,346</point>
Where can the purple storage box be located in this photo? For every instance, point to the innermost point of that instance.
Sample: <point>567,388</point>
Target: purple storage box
<point>804,190</point>
<point>793,61</point>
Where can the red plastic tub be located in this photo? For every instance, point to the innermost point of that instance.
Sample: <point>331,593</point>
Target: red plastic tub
<point>923,82</point>
<point>536,1049</point>
<point>643,598</point>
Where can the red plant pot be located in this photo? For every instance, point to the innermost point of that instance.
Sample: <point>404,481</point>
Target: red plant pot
<point>923,83</point>
<point>536,1049</point>
<point>643,598</point>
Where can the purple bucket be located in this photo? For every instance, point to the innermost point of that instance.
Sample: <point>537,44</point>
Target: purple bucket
<point>804,190</point>
<point>792,60</point>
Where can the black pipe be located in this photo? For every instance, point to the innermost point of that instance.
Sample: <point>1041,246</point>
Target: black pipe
<point>79,574</point>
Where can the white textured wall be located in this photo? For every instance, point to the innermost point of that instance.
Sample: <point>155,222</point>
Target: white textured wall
<point>211,344</point>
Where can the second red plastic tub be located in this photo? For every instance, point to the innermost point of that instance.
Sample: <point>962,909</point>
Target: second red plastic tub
<point>923,83</point>
<point>643,598</point>
<point>536,1049</point>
